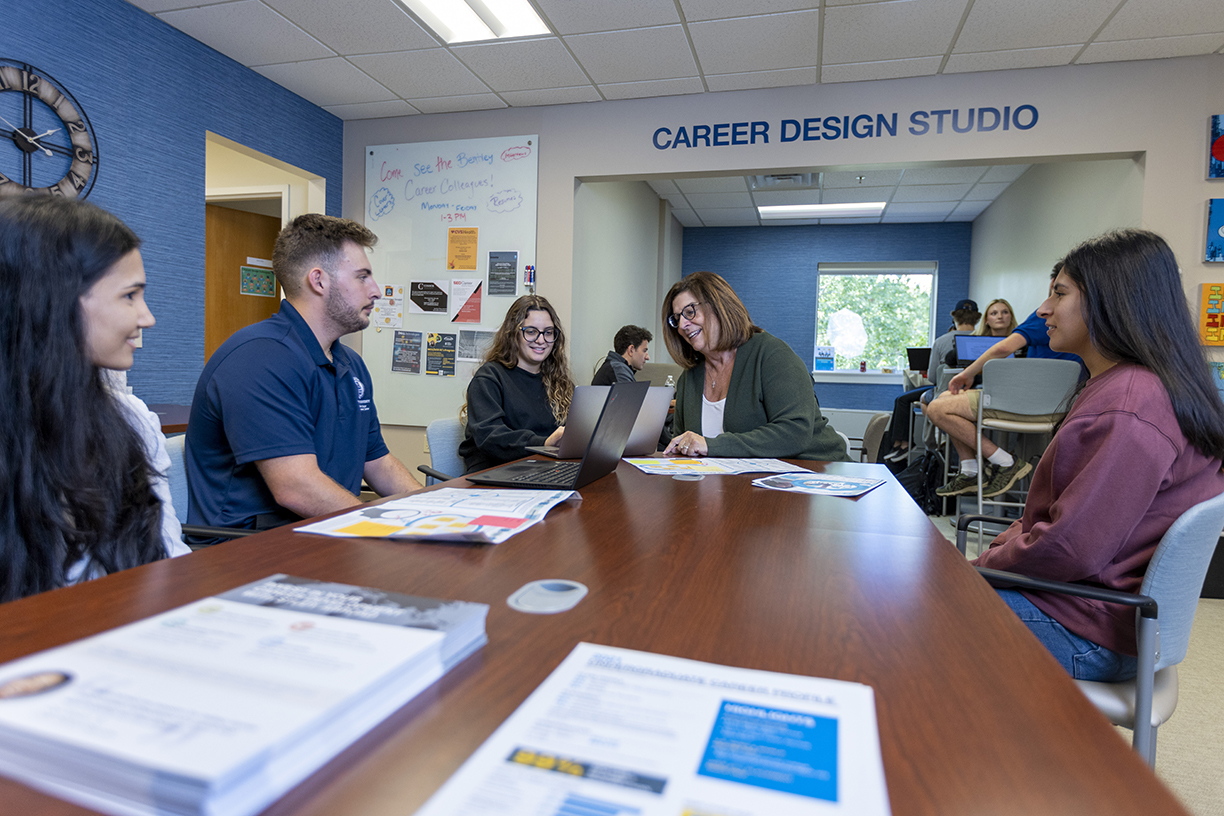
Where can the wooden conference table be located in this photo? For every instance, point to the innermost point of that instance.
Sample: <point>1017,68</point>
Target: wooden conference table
<point>975,717</point>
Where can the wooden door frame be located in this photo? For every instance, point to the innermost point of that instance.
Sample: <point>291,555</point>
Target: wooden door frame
<point>218,195</point>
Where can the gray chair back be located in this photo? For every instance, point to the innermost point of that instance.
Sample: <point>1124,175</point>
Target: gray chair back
<point>1028,386</point>
<point>177,474</point>
<point>444,436</point>
<point>874,434</point>
<point>1176,572</point>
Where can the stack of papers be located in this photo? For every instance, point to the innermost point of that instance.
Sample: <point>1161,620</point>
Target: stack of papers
<point>618,732</point>
<point>221,706</point>
<point>447,514</point>
<point>819,484</point>
<point>670,466</point>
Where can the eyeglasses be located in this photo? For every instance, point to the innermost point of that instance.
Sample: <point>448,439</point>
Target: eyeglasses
<point>688,313</point>
<point>530,333</point>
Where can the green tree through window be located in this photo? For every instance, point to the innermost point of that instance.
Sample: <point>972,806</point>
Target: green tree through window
<point>895,309</point>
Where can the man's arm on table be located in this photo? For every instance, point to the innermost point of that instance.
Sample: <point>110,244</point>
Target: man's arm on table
<point>1008,345</point>
<point>388,476</point>
<point>297,484</point>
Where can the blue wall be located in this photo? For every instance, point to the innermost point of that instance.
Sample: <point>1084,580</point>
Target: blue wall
<point>773,270</point>
<point>151,92</point>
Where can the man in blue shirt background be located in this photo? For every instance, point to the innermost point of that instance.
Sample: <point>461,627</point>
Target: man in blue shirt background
<point>283,424</point>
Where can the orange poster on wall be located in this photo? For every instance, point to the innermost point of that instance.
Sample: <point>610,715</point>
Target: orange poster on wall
<point>1211,314</point>
<point>461,248</point>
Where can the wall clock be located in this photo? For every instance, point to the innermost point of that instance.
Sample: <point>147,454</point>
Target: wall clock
<point>46,142</point>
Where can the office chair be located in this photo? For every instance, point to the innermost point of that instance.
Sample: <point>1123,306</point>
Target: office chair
<point>444,436</point>
<point>873,435</point>
<point>176,475</point>
<point>1164,613</point>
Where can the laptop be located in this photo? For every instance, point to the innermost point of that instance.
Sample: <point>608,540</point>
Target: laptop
<point>919,358</point>
<point>585,407</point>
<point>602,454</point>
<point>969,347</point>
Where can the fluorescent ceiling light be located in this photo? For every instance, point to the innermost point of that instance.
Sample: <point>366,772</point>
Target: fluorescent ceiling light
<point>870,208</point>
<point>459,21</point>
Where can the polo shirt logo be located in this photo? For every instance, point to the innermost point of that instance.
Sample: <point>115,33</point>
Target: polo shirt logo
<point>360,388</point>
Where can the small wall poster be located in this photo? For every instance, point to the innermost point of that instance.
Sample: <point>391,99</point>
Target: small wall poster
<point>461,248</point>
<point>822,359</point>
<point>1215,230</point>
<point>389,310</point>
<point>256,281</point>
<point>1215,150</point>
<point>1211,314</point>
<point>503,273</point>
<point>428,297</point>
<point>465,300</point>
<point>406,355</point>
<point>440,354</point>
<point>473,344</point>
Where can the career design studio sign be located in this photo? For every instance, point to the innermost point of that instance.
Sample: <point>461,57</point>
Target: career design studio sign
<point>944,122</point>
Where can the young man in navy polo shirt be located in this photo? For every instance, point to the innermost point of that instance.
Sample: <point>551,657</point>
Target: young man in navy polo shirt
<point>283,424</point>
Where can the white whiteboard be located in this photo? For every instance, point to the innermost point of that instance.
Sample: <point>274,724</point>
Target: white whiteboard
<point>415,193</point>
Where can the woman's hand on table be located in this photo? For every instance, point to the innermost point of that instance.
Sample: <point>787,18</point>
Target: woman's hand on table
<point>687,444</point>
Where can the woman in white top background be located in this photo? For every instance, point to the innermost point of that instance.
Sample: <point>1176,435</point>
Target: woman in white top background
<point>82,468</point>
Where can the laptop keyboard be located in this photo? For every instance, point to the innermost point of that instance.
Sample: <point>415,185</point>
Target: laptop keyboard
<point>562,474</point>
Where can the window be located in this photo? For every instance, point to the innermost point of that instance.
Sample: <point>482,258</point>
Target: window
<point>873,311</point>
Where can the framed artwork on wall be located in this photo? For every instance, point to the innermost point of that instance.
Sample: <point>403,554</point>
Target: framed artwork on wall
<point>1215,148</point>
<point>1211,314</point>
<point>1215,231</point>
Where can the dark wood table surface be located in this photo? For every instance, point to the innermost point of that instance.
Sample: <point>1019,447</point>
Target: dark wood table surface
<point>173,417</point>
<point>975,717</point>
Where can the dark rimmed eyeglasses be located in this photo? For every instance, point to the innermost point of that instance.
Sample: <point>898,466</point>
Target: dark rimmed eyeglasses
<point>530,333</point>
<point>688,313</point>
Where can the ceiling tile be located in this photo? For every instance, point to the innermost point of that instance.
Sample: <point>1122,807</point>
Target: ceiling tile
<point>911,219</point>
<point>856,195</point>
<point>942,175</point>
<point>380,25</point>
<point>762,79</point>
<point>791,222</point>
<point>326,82</point>
<point>926,208</point>
<point>889,69</point>
<point>421,74</point>
<point>372,110</point>
<point>634,56</point>
<point>781,198</point>
<point>869,178</point>
<point>997,25</point>
<point>987,191</point>
<point>582,16</point>
<point>551,96</point>
<point>687,217</point>
<point>931,192</point>
<point>789,40</point>
<point>248,32</point>
<point>453,104</point>
<point>889,31</point>
<point>1006,60</point>
<point>1151,49</point>
<point>968,210</point>
<point>701,201</point>
<point>718,9</point>
<point>522,65</point>
<point>836,221</point>
<point>730,218</point>
<point>1005,172</point>
<point>662,87</point>
<point>1139,19</point>
<point>721,184</point>
<point>664,187</point>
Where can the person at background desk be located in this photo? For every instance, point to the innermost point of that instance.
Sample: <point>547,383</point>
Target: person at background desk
<point>630,352</point>
<point>1141,445</point>
<point>83,488</point>
<point>283,424</point>
<point>521,395</point>
<point>743,393</point>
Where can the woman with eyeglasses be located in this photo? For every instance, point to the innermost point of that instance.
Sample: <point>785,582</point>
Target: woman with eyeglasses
<point>744,392</point>
<point>521,395</point>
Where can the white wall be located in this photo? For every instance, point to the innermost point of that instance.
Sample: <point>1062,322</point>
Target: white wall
<point>227,164</point>
<point>616,248</point>
<point>1048,210</point>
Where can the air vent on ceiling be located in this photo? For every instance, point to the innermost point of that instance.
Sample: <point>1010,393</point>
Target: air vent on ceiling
<point>785,181</point>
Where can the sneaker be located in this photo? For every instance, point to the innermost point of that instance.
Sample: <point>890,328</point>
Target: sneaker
<point>897,455</point>
<point>958,484</point>
<point>1004,478</point>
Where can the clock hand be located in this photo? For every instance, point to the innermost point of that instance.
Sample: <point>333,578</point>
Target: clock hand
<point>48,133</point>
<point>29,139</point>
<point>10,124</point>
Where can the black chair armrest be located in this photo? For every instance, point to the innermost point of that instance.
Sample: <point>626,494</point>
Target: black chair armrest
<point>201,531</point>
<point>962,527</point>
<point>1146,605</point>
<point>434,474</point>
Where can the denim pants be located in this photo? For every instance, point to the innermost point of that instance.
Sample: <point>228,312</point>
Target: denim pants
<point>1083,659</point>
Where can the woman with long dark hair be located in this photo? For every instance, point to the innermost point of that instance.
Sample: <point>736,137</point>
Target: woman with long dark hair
<point>82,490</point>
<point>1142,444</point>
<point>521,395</point>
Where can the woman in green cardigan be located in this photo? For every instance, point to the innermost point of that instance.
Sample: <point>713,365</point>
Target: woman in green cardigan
<point>744,392</point>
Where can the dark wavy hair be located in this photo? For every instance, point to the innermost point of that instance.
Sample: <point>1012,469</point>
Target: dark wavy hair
<point>1136,312</point>
<point>717,297</point>
<point>630,336</point>
<point>555,368</point>
<point>74,475</point>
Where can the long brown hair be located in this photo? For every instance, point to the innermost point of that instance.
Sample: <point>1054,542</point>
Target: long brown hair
<point>718,299</point>
<point>984,327</point>
<point>555,368</point>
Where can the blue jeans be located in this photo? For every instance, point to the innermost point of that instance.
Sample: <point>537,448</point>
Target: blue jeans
<point>1083,659</point>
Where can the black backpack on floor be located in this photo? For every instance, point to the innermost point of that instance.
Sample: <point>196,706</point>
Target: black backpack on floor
<point>920,480</point>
